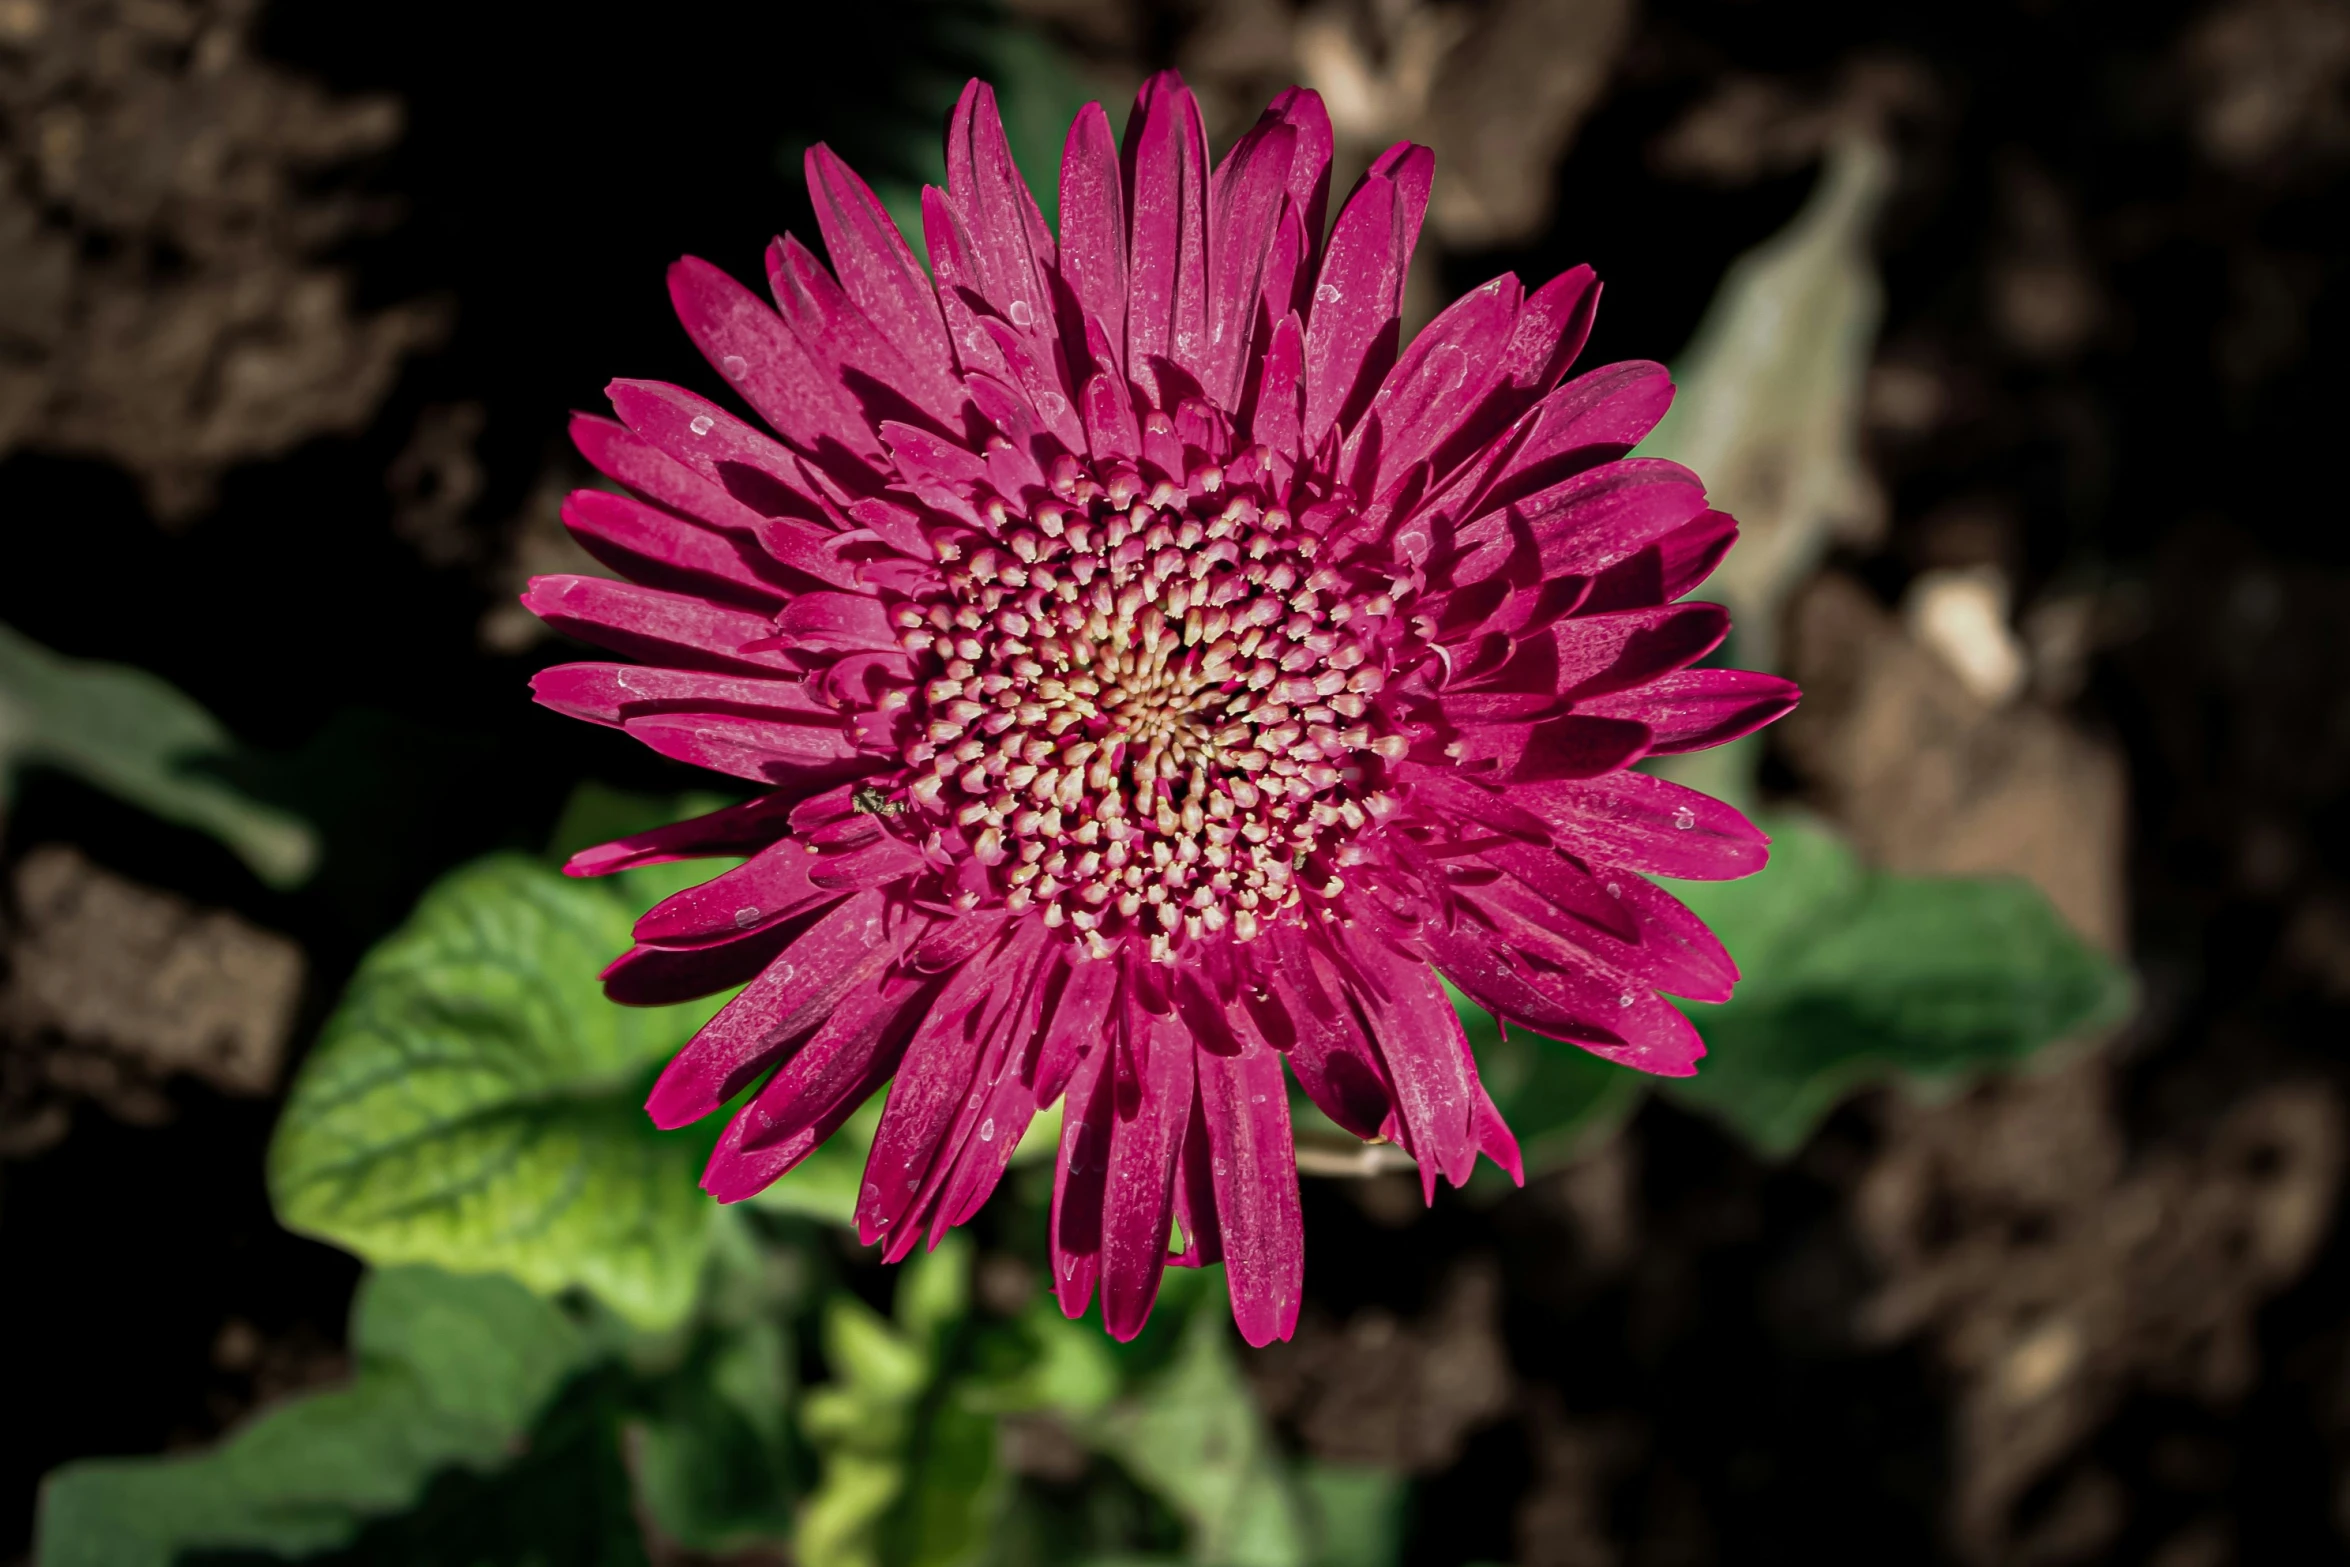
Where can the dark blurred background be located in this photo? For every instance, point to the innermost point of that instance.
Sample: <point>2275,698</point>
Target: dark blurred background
<point>294,300</point>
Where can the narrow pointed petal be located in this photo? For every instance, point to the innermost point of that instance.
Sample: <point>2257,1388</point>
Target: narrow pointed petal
<point>1351,332</point>
<point>647,623</point>
<point>1595,418</point>
<point>1011,247</point>
<point>1648,824</point>
<point>1080,1178</point>
<point>851,1054</point>
<point>748,344</point>
<point>661,550</point>
<point>610,693</point>
<point>1672,566</point>
<point>1435,387</point>
<point>1311,144</point>
<point>1426,1053</point>
<point>1165,162</point>
<point>1246,201</point>
<point>876,268</point>
<point>1076,1027</point>
<point>737,829</point>
<point>788,999</point>
<point>1093,227</point>
<point>1246,1106</point>
<point>1599,656</point>
<point>1138,1199</point>
<point>784,880</point>
<point>1701,707</point>
<point>1197,1239</point>
<point>859,354</point>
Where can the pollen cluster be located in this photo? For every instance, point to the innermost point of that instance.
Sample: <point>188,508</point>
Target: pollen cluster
<point>1147,708</point>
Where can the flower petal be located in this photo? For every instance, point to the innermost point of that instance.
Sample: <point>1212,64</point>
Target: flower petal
<point>748,343</point>
<point>1426,1052</point>
<point>782,881</point>
<point>1246,199</point>
<point>1246,1107</point>
<point>858,354</point>
<point>1648,824</point>
<point>1663,571</point>
<point>876,268</point>
<point>1698,708</point>
<point>847,946</point>
<point>735,829</point>
<point>1595,418</point>
<point>844,1063</point>
<point>1626,650</point>
<point>1011,248</point>
<point>1165,162</point>
<point>763,750</point>
<point>1075,1027</point>
<point>937,1072</point>
<point>1146,1132</point>
<point>647,623</point>
<point>1080,1178</point>
<point>1351,329</point>
<point>1434,388</point>
<point>1093,227</point>
<point>662,550</point>
<point>608,693</point>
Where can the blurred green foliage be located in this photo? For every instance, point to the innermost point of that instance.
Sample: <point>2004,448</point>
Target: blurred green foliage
<point>143,740</point>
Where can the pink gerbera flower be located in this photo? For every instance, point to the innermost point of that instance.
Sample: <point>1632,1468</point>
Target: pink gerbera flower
<point>1151,677</point>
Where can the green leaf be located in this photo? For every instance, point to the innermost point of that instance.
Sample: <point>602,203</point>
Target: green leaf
<point>953,1489</point>
<point>713,1454</point>
<point>139,738</point>
<point>450,1372</point>
<point>1853,975</point>
<point>1193,1436</point>
<point>870,1422</point>
<point>475,1103</point>
<point>1357,1513</point>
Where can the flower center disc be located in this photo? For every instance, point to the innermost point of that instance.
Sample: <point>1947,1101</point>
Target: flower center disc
<point>1146,707</point>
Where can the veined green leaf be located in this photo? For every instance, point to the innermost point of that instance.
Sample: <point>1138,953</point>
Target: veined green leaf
<point>475,1103</point>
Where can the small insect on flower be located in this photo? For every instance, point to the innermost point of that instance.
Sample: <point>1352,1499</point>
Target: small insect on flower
<point>1151,676</point>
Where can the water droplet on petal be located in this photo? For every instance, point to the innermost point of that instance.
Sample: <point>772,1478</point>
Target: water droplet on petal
<point>745,917</point>
<point>974,1103</point>
<point>987,1130</point>
<point>1068,1267</point>
<point>700,424</point>
<point>734,367</point>
<point>1626,999</point>
<point>1684,818</point>
<point>1021,313</point>
<point>1615,889</point>
<point>872,1190</point>
<point>1327,294</point>
<point>1256,1099</point>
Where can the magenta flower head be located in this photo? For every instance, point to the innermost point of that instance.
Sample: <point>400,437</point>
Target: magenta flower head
<point>1151,673</point>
